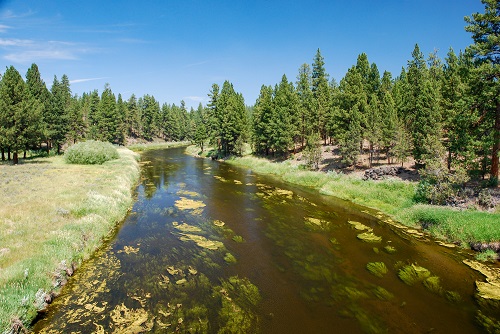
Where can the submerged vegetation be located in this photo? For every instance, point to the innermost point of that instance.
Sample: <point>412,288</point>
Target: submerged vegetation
<point>43,239</point>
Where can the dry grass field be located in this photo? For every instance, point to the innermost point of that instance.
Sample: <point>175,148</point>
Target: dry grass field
<point>54,215</point>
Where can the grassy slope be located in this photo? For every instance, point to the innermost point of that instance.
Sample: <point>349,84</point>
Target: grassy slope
<point>52,215</point>
<point>392,197</point>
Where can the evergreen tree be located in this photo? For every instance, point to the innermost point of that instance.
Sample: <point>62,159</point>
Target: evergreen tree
<point>321,95</point>
<point>214,117</point>
<point>20,113</point>
<point>149,108</point>
<point>306,102</point>
<point>422,107</point>
<point>485,29</point>
<point>38,90</point>
<point>284,109</point>
<point>133,118</point>
<point>200,136</point>
<point>76,124</point>
<point>262,121</point>
<point>107,122</point>
<point>57,117</point>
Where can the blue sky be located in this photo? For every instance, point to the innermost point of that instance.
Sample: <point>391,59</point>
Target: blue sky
<point>175,50</point>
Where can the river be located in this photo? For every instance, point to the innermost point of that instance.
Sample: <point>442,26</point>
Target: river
<point>209,247</point>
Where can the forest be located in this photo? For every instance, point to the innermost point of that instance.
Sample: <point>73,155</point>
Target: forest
<point>444,114</point>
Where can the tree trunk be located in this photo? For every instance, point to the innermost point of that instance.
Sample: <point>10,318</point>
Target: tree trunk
<point>8,153</point>
<point>3,154</point>
<point>24,155</point>
<point>15,158</point>
<point>496,145</point>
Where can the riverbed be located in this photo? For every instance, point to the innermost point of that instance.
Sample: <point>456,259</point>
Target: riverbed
<point>209,248</point>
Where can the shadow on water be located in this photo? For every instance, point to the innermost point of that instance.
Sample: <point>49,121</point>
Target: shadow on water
<point>211,248</point>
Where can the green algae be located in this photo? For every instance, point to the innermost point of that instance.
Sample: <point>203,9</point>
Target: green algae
<point>316,224</point>
<point>369,237</point>
<point>389,249</point>
<point>359,226</point>
<point>238,239</point>
<point>453,296</point>
<point>201,241</point>
<point>229,258</point>
<point>433,284</point>
<point>412,274</point>
<point>239,299</point>
<point>491,288</point>
<point>186,228</point>
<point>491,326</point>
<point>382,293</point>
<point>378,269</point>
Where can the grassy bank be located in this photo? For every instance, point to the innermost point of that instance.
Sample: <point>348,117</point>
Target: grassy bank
<point>53,216</point>
<point>392,197</point>
<point>141,147</point>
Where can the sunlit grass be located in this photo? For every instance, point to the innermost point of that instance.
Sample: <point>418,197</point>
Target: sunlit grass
<point>53,215</point>
<point>141,147</point>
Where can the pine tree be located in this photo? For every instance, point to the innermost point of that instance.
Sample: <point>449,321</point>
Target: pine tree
<point>485,29</point>
<point>133,118</point>
<point>38,90</point>
<point>321,95</point>
<point>422,107</point>
<point>200,120</point>
<point>305,95</point>
<point>57,117</point>
<point>19,113</point>
<point>107,115</point>
<point>262,121</point>
<point>284,110</point>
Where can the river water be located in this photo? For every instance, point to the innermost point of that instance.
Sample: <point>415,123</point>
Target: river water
<point>210,247</point>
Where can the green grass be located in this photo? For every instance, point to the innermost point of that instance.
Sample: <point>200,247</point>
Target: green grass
<point>392,197</point>
<point>55,215</point>
<point>141,147</point>
<point>90,152</point>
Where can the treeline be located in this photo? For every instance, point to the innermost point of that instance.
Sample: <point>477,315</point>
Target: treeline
<point>32,116</point>
<point>440,113</point>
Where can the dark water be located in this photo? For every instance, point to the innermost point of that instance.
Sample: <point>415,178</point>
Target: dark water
<point>285,261</point>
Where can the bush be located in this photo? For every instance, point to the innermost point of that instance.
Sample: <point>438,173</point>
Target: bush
<point>90,152</point>
<point>439,186</point>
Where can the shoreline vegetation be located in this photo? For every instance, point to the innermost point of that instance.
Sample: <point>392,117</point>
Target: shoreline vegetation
<point>55,215</point>
<point>395,198</point>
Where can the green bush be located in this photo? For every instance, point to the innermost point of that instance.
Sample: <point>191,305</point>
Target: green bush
<point>90,152</point>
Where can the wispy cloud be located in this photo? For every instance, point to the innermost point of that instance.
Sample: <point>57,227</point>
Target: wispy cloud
<point>87,79</point>
<point>4,28</point>
<point>15,42</point>
<point>197,64</point>
<point>26,51</point>
<point>9,14</point>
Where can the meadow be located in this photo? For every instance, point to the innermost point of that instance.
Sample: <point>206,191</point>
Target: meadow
<point>53,216</point>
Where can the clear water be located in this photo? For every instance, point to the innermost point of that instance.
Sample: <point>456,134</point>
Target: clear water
<point>285,261</point>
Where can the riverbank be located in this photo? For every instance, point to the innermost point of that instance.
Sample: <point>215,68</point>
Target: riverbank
<point>392,197</point>
<point>53,217</point>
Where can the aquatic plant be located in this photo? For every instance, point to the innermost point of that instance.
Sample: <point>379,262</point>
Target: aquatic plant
<point>412,274</point>
<point>369,237</point>
<point>491,288</point>
<point>389,249</point>
<point>239,299</point>
<point>432,284</point>
<point>229,258</point>
<point>378,269</point>
<point>453,296</point>
<point>201,241</point>
<point>382,293</point>
<point>359,226</point>
<point>491,326</point>
<point>238,239</point>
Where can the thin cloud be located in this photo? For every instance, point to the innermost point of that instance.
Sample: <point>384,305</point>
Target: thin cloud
<point>86,79</point>
<point>196,64</point>
<point>8,14</point>
<point>15,42</point>
<point>35,55</point>
<point>4,28</point>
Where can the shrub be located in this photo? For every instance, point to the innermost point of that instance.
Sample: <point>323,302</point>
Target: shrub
<point>90,152</point>
<point>438,185</point>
